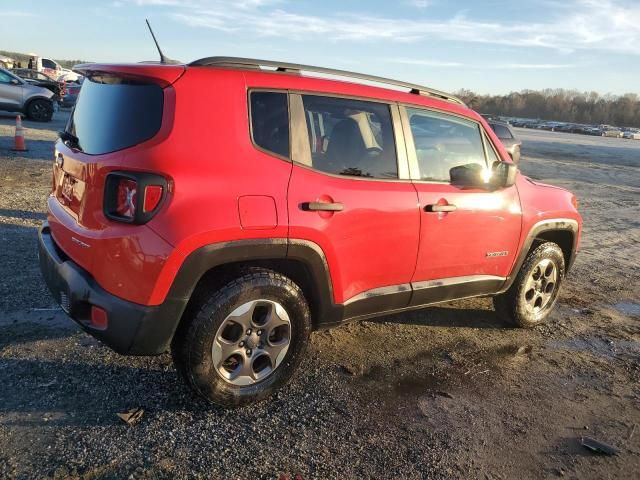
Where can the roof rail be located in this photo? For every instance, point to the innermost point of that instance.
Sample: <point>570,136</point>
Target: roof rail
<point>251,63</point>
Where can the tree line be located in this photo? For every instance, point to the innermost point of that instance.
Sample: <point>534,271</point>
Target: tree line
<point>560,105</point>
<point>23,58</point>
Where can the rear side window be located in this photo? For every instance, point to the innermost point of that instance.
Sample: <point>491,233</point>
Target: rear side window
<point>350,137</point>
<point>114,113</point>
<point>443,142</point>
<point>502,131</point>
<point>270,122</point>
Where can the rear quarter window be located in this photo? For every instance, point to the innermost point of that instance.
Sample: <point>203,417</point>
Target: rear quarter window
<point>113,113</point>
<point>270,121</point>
<point>502,132</point>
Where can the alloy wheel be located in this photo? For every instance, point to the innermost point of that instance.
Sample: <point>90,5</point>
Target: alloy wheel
<point>541,286</point>
<point>251,342</point>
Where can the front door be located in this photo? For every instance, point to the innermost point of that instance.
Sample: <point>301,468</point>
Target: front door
<point>468,236</point>
<point>11,93</point>
<point>350,193</point>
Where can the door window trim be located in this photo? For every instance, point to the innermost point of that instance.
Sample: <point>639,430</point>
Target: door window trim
<point>414,166</point>
<point>301,150</point>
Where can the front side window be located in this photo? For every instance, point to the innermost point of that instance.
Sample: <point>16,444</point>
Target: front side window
<point>350,137</point>
<point>492,156</point>
<point>46,63</point>
<point>5,77</point>
<point>270,121</point>
<point>443,142</point>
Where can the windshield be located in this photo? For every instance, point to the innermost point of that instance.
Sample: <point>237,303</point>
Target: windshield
<point>114,113</point>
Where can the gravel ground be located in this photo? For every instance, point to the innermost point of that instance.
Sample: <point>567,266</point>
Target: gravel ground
<point>447,392</point>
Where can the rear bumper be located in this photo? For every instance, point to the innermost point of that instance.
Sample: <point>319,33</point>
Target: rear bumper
<point>132,329</point>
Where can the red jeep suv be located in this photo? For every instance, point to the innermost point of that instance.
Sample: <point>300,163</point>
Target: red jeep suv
<point>226,208</point>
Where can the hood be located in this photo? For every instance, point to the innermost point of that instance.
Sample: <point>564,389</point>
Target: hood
<point>37,91</point>
<point>546,185</point>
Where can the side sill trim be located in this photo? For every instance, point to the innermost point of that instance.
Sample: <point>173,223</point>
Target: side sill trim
<point>411,296</point>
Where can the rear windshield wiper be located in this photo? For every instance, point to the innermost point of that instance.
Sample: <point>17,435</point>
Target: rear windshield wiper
<point>69,139</point>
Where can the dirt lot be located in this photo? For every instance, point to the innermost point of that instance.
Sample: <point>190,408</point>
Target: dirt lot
<point>447,392</point>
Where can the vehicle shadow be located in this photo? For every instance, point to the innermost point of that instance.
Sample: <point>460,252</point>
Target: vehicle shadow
<point>59,118</point>
<point>446,315</point>
<point>10,212</point>
<point>36,149</point>
<point>86,392</point>
<point>21,284</point>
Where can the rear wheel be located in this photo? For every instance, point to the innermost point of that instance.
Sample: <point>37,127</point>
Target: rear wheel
<point>40,110</point>
<point>534,292</point>
<point>246,340</point>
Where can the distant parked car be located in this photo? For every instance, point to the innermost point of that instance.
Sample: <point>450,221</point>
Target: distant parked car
<point>511,143</point>
<point>41,80</point>
<point>18,95</point>
<point>632,134</point>
<point>612,132</point>
<point>70,95</point>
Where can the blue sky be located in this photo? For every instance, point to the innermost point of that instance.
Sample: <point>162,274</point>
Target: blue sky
<point>489,46</point>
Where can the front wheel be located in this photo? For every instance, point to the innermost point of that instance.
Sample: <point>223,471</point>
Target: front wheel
<point>246,340</point>
<point>534,292</point>
<point>40,110</point>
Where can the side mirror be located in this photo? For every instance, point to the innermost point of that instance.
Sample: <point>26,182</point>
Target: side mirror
<point>14,82</point>
<point>473,175</point>
<point>504,174</point>
<point>469,175</point>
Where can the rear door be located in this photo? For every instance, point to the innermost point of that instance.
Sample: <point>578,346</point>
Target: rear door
<point>350,194</point>
<point>468,236</point>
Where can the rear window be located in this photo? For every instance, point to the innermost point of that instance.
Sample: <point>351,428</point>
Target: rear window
<point>113,113</point>
<point>501,131</point>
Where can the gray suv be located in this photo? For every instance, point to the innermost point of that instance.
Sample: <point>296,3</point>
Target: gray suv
<point>16,95</point>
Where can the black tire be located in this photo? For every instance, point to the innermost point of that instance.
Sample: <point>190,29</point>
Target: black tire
<point>40,110</point>
<point>513,306</point>
<point>192,344</point>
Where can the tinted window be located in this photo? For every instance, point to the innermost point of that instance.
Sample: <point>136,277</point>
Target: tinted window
<point>501,131</point>
<point>112,113</point>
<point>46,63</point>
<point>270,121</point>
<point>443,142</point>
<point>350,137</point>
<point>492,156</point>
<point>5,78</point>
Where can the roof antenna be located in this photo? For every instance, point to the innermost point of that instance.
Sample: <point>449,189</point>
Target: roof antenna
<point>163,59</point>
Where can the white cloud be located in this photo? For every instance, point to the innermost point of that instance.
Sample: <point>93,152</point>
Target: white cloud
<point>535,66</point>
<point>421,4</point>
<point>16,13</point>
<point>609,25</point>
<point>426,63</point>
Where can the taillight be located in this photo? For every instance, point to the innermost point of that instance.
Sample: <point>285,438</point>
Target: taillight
<point>133,197</point>
<point>152,197</point>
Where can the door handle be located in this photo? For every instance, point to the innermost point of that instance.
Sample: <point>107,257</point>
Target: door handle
<point>439,208</point>
<point>322,206</point>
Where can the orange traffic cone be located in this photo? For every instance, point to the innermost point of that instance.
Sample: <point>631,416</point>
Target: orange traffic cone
<point>19,137</point>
